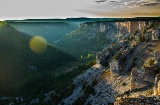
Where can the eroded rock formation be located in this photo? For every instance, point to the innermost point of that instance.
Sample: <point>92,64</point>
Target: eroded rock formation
<point>137,78</point>
<point>114,68</point>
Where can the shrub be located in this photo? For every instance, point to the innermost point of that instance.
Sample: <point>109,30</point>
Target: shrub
<point>104,63</point>
<point>151,62</point>
<point>150,92</point>
<point>123,84</point>
<point>117,95</point>
<point>123,59</point>
<point>157,70</point>
<point>118,55</point>
<point>94,82</point>
<point>115,57</point>
<point>84,85</point>
<point>89,90</point>
<point>135,33</point>
<point>132,50</point>
<point>133,64</point>
<point>110,103</point>
<point>135,59</point>
<point>142,38</point>
<point>134,45</point>
<point>89,103</point>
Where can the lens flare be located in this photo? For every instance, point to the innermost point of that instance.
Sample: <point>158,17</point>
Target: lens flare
<point>38,44</point>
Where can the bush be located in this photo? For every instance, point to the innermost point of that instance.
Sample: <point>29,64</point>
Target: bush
<point>89,90</point>
<point>150,92</point>
<point>157,70</point>
<point>118,95</point>
<point>89,103</point>
<point>135,33</point>
<point>115,57</point>
<point>94,82</point>
<point>133,64</point>
<point>135,59</point>
<point>132,50</point>
<point>81,100</point>
<point>104,63</point>
<point>134,45</point>
<point>118,55</point>
<point>110,103</point>
<point>84,85</point>
<point>123,59</point>
<point>123,84</point>
<point>142,38</point>
<point>151,62</point>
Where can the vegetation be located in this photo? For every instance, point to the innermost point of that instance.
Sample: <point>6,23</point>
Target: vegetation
<point>123,59</point>
<point>83,41</point>
<point>123,84</point>
<point>94,82</point>
<point>157,70</point>
<point>51,31</point>
<point>118,95</point>
<point>81,100</point>
<point>150,92</point>
<point>18,79</point>
<point>18,62</point>
<point>135,59</point>
<point>89,90</point>
<point>151,62</point>
<point>84,85</point>
<point>104,61</point>
<point>110,103</point>
<point>133,64</point>
<point>142,38</point>
<point>118,55</point>
<point>135,33</point>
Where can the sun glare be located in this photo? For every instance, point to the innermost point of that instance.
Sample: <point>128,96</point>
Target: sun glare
<point>38,44</point>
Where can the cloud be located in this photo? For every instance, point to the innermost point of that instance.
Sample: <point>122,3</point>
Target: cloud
<point>140,3</point>
<point>132,3</point>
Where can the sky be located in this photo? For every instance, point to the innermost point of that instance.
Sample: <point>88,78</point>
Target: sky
<point>40,9</point>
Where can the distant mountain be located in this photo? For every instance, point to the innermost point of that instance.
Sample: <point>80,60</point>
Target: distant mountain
<point>85,19</point>
<point>51,31</point>
<point>18,63</point>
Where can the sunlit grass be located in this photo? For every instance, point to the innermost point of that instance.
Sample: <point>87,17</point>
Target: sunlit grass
<point>2,23</point>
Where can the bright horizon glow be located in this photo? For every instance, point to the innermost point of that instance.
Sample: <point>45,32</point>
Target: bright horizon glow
<point>50,9</point>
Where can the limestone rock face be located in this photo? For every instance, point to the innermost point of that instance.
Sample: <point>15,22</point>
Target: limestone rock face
<point>148,34</point>
<point>157,85</point>
<point>157,57</point>
<point>137,78</point>
<point>137,37</point>
<point>155,34</point>
<point>102,58</point>
<point>114,67</point>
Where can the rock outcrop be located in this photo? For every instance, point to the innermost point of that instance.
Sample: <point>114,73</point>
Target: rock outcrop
<point>157,85</point>
<point>157,57</point>
<point>155,34</point>
<point>137,78</point>
<point>114,68</point>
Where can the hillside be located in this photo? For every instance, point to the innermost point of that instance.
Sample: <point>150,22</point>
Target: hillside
<point>126,72</point>
<point>51,31</point>
<point>87,39</point>
<point>21,69</point>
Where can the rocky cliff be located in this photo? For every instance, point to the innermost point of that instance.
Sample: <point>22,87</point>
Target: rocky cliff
<point>123,71</point>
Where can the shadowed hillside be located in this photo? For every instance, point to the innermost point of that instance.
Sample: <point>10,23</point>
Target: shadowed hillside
<point>52,31</point>
<point>18,62</point>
